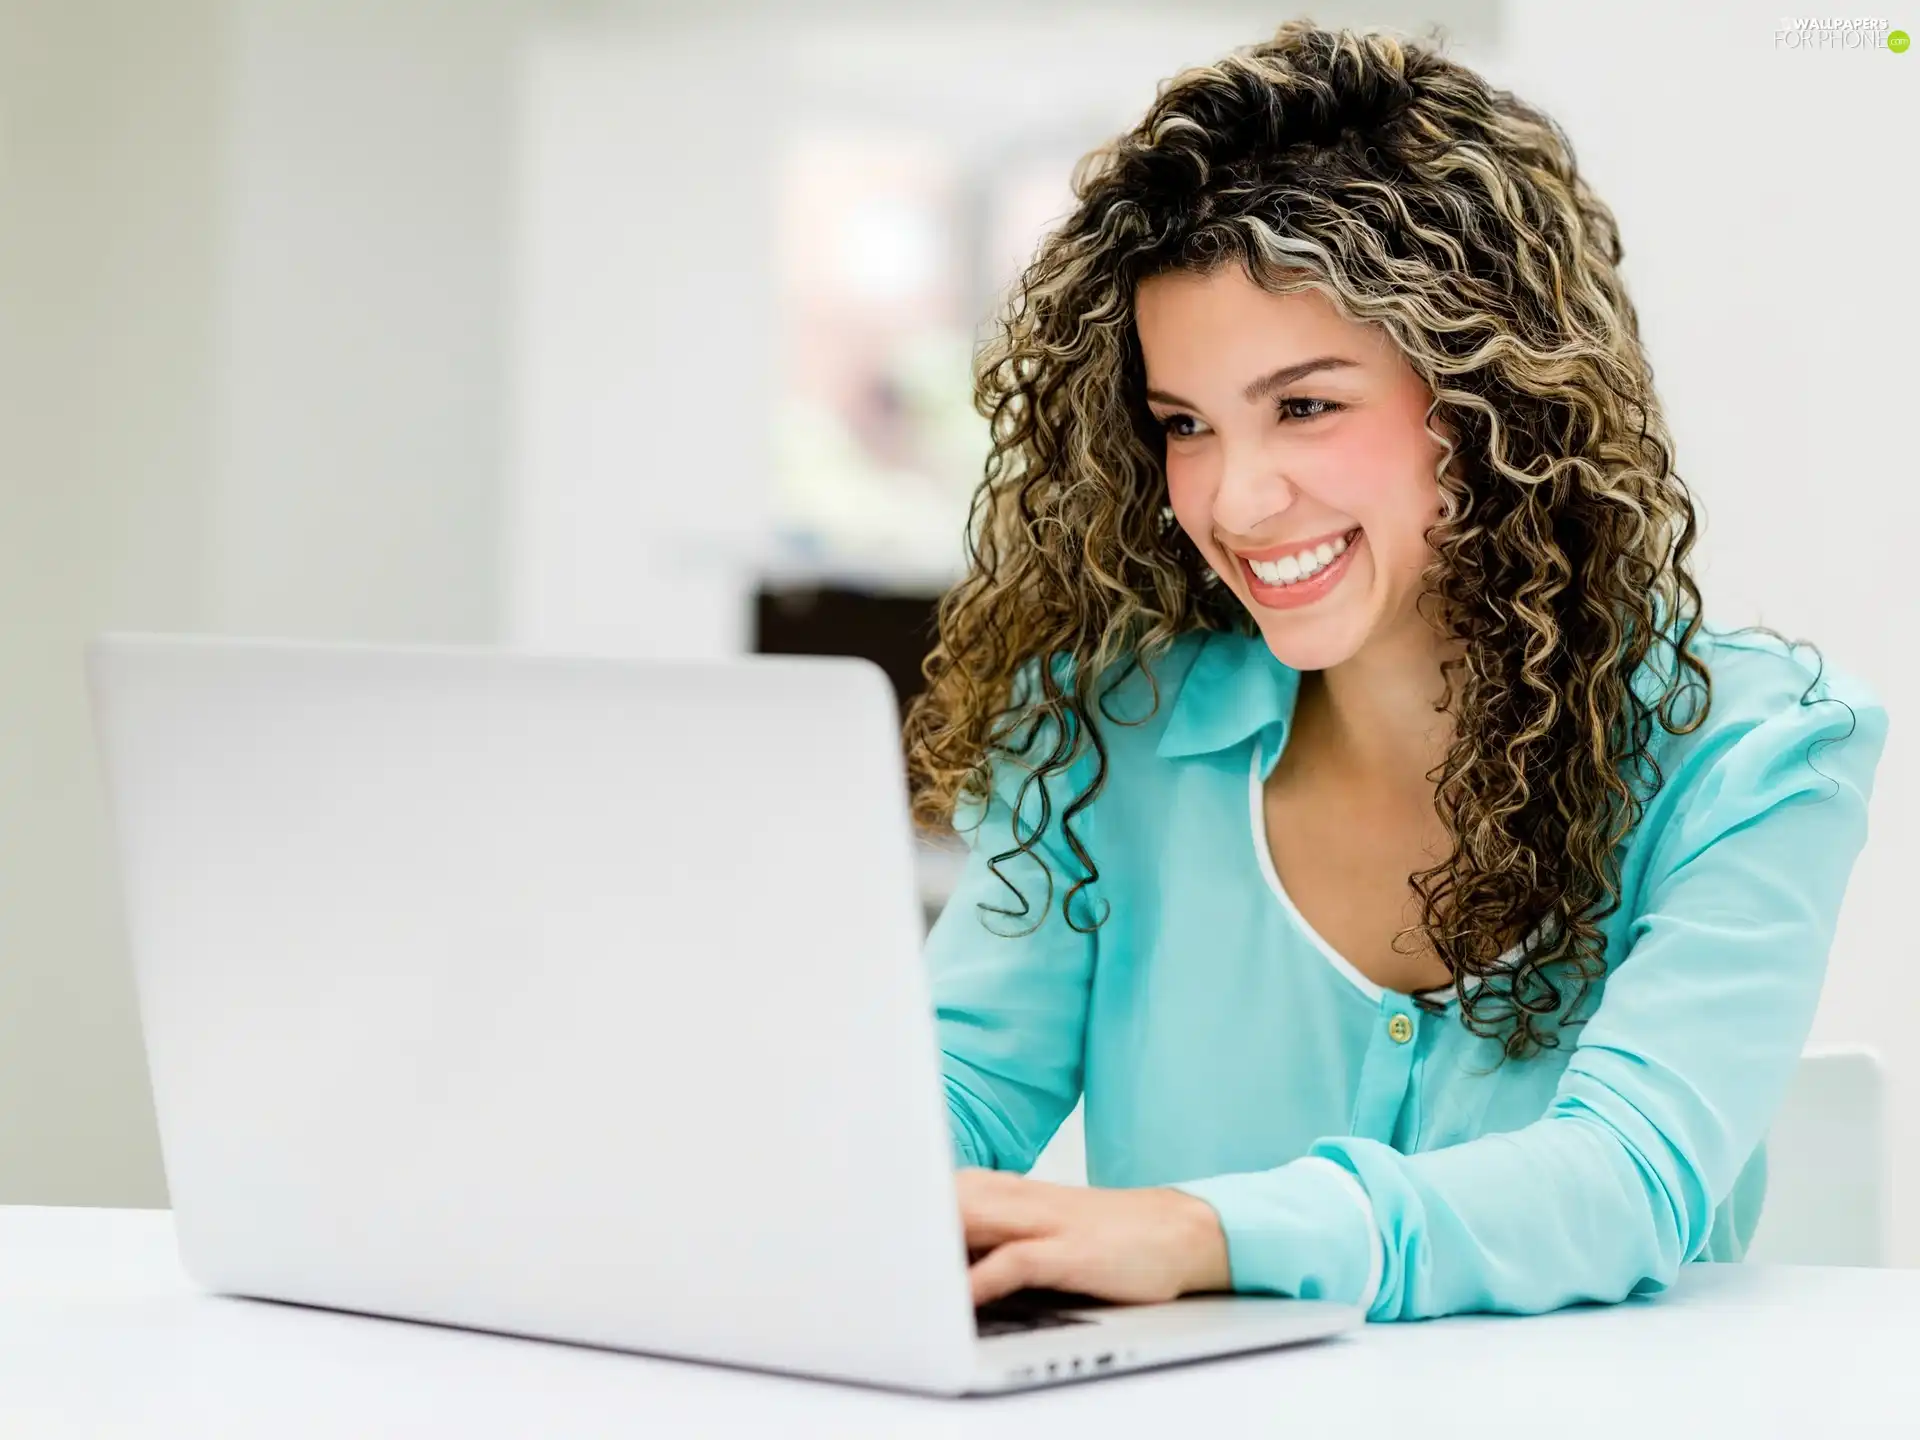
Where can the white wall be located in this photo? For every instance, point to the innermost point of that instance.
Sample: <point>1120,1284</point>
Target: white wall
<point>643,341</point>
<point>108,113</point>
<point>1768,211</point>
<point>364,313</point>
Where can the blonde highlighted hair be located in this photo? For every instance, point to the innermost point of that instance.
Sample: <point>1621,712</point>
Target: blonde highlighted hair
<point>1418,198</point>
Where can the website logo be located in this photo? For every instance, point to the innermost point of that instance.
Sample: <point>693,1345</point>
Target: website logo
<point>1809,33</point>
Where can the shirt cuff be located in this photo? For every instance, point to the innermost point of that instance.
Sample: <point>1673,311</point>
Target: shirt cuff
<point>1305,1229</point>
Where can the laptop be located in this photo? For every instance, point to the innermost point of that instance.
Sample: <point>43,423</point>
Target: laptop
<point>569,998</point>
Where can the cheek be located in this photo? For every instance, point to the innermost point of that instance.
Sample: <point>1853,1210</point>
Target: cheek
<point>1190,493</point>
<point>1386,485</point>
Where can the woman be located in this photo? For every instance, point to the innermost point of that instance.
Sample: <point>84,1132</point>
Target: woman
<point>1429,906</point>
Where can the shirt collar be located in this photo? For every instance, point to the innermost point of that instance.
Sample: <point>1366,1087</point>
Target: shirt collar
<point>1234,690</point>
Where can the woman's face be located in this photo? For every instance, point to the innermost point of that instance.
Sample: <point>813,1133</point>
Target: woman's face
<point>1298,458</point>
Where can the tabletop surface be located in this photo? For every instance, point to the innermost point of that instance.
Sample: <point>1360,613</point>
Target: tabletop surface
<point>102,1335</point>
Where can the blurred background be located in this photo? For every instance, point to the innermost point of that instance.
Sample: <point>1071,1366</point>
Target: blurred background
<point>644,326</point>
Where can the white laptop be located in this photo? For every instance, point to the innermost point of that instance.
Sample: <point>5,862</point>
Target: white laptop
<point>569,998</point>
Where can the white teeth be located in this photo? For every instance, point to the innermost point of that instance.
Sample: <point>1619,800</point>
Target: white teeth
<point>1290,569</point>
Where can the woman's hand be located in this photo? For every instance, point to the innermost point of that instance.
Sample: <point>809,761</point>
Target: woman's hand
<point>1130,1246</point>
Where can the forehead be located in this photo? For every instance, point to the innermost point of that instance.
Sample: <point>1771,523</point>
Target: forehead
<point>1223,321</point>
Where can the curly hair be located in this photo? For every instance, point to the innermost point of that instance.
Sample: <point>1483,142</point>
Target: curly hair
<point>1418,198</point>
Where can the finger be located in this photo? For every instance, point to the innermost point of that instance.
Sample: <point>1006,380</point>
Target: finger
<point>994,1211</point>
<point>972,1180</point>
<point>1018,1265</point>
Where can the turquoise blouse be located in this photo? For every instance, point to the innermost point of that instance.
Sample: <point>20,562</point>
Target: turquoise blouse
<point>1354,1146</point>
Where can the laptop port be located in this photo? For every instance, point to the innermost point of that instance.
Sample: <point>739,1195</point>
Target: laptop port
<point>1103,1362</point>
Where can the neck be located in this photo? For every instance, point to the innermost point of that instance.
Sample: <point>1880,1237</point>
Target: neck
<point>1374,715</point>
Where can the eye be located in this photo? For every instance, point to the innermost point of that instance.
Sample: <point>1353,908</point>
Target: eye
<point>1286,412</point>
<point>1171,425</point>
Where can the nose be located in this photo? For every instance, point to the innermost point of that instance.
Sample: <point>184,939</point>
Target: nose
<point>1251,493</point>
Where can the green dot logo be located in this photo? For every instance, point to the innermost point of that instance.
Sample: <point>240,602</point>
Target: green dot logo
<point>1897,41</point>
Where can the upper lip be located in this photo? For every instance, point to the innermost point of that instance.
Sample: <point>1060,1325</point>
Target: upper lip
<point>1294,547</point>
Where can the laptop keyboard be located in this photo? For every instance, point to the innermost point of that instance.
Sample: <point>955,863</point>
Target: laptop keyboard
<point>989,1324</point>
<point>1031,1310</point>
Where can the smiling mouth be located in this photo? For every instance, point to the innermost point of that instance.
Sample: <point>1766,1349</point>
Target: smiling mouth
<point>1298,566</point>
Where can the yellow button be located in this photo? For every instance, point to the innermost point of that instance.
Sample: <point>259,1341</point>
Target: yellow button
<point>1401,1029</point>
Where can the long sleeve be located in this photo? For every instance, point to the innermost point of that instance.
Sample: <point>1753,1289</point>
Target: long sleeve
<point>1010,991</point>
<point>1673,1082</point>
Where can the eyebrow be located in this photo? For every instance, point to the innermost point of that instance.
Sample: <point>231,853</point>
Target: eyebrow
<point>1269,383</point>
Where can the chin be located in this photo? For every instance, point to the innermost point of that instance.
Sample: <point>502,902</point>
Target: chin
<point>1306,645</point>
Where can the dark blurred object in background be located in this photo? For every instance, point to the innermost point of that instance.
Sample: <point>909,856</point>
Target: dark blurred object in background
<point>895,631</point>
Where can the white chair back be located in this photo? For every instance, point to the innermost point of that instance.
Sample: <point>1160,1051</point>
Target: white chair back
<point>1827,1165</point>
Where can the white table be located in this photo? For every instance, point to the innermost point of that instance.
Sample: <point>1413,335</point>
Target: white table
<point>101,1335</point>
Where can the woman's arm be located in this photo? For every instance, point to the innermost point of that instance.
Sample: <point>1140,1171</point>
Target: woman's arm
<point>1672,1084</point>
<point>1010,992</point>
